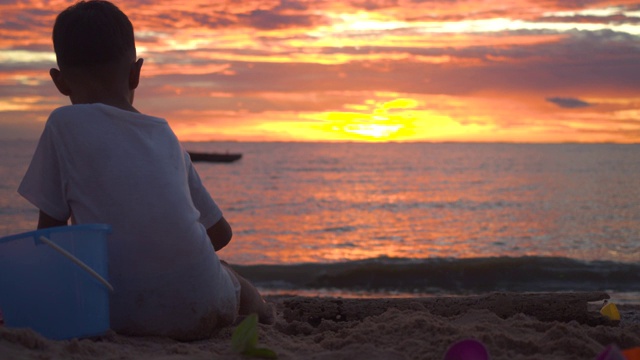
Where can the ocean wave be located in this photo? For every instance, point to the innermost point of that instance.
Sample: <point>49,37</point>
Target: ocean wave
<point>452,276</point>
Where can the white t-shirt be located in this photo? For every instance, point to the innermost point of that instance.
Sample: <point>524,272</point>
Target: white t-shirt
<point>99,164</point>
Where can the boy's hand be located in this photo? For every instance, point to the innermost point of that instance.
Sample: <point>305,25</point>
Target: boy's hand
<point>46,221</point>
<point>220,234</point>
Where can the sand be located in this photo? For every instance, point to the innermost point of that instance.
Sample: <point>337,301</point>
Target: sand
<point>512,326</point>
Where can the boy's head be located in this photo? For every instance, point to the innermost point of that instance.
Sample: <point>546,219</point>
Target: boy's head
<point>95,50</point>
<point>92,33</point>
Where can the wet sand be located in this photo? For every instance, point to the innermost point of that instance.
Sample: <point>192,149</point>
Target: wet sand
<point>511,326</point>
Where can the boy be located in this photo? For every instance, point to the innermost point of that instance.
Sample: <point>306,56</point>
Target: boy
<point>101,161</point>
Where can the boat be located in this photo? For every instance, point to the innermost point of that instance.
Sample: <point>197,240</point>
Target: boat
<point>215,157</point>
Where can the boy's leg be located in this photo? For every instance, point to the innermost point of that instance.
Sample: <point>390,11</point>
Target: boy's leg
<point>250,299</point>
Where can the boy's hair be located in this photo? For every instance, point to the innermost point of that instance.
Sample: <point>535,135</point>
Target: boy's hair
<point>92,33</point>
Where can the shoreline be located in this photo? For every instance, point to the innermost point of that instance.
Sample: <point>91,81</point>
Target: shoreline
<point>511,325</point>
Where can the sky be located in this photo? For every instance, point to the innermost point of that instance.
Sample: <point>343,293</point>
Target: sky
<point>356,70</point>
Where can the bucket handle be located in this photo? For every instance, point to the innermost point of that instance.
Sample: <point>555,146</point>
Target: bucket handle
<point>77,261</point>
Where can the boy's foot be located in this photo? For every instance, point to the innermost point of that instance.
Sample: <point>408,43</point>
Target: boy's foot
<point>267,314</point>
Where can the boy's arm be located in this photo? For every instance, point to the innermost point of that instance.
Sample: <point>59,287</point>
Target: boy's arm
<point>46,221</point>
<point>220,234</point>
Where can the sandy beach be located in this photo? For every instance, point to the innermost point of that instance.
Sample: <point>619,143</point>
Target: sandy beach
<point>511,325</point>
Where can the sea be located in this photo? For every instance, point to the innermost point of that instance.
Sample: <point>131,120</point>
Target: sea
<point>413,219</point>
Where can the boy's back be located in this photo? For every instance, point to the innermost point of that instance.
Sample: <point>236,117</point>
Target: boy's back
<point>98,163</point>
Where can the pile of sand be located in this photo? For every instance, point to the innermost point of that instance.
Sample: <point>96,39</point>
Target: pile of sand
<point>512,326</point>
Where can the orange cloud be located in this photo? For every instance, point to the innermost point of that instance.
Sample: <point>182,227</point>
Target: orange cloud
<point>366,70</point>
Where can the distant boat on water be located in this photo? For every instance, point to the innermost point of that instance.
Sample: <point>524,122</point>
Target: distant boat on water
<point>215,157</point>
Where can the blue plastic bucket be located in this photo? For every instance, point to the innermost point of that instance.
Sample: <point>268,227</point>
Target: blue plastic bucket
<point>54,281</point>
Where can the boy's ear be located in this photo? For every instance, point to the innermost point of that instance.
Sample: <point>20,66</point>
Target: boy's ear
<point>60,82</point>
<point>134,74</point>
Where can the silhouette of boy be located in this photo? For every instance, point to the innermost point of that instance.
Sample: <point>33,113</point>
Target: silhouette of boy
<point>100,160</point>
